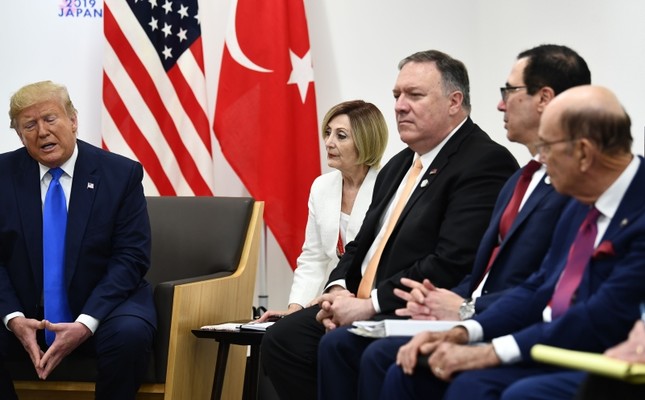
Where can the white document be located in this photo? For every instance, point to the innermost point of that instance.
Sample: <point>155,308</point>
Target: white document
<point>228,326</point>
<point>398,327</point>
<point>257,326</point>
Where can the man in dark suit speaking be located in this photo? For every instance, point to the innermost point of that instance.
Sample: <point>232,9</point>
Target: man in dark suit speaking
<point>74,248</point>
<point>448,179</point>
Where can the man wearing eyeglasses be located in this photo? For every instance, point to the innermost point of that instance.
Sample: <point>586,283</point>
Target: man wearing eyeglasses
<point>512,247</point>
<point>587,292</point>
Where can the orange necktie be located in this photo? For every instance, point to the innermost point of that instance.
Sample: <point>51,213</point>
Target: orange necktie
<point>367,282</point>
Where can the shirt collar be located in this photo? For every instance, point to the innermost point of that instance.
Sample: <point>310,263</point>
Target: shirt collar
<point>67,167</point>
<point>428,158</point>
<point>610,199</point>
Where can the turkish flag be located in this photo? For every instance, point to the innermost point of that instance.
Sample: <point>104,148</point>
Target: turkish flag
<point>265,116</point>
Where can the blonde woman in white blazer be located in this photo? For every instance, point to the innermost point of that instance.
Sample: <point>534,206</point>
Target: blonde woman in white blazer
<point>355,136</point>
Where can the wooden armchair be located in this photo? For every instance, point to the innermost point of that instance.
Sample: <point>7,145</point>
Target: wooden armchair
<point>204,262</point>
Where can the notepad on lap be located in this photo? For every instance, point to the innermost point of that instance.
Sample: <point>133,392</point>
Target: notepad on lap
<point>398,327</point>
<point>591,362</point>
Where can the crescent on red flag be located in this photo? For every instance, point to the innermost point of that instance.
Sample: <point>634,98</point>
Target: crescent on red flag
<point>265,116</point>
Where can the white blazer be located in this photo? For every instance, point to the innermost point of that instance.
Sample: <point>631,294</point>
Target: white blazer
<point>318,255</point>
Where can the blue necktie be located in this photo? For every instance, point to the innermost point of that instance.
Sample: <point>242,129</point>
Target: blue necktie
<point>54,227</point>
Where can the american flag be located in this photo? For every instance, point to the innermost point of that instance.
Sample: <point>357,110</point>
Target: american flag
<point>154,93</point>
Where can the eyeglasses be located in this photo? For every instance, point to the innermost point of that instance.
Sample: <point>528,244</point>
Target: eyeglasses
<point>544,146</point>
<point>504,90</point>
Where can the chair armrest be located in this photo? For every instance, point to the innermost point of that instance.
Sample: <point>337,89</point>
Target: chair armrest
<point>163,297</point>
<point>193,279</point>
<point>191,361</point>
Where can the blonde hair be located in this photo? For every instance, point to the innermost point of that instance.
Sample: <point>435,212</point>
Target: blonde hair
<point>38,92</point>
<point>368,127</point>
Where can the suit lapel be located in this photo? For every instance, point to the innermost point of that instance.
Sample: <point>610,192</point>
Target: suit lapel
<point>361,203</point>
<point>540,191</point>
<point>394,184</point>
<point>631,206</point>
<point>27,183</point>
<point>438,164</point>
<point>84,187</point>
<point>504,198</point>
<point>330,221</point>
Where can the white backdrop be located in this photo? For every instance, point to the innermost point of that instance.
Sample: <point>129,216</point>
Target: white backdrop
<point>356,45</point>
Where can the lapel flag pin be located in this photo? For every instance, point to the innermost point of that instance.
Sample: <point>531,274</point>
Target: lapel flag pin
<point>432,171</point>
<point>624,222</point>
<point>424,183</point>
<point>90,185</point>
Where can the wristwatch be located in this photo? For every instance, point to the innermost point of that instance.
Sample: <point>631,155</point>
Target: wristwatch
<point>467,309</point>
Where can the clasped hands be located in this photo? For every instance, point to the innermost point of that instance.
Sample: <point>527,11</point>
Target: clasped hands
<point>425,301</point>
<point>339,307</point>
<point>69,335</point>
<point>446,352</point>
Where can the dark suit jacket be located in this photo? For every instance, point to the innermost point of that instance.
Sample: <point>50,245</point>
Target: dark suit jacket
<point>607,301</point>
<point>439,230</point>
<point>523,248</point>
<point>107,250</point>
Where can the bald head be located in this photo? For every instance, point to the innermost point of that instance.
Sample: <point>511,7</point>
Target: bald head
<point>594,113</point>
<point>585,141</point>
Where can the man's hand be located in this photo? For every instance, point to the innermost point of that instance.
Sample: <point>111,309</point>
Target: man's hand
<point>632,349</point>
<point>68,337</point>
<point>325,315</point>
<point>425,343</point>
<point>443,304</point>
<point>425,301</point>
<point>342,308</point>
<point>449,358</point>
<point>330,293</point>
<point>406,358</point>
<point>346,310</point>
<point>25,330</point>
<point>415,298</point>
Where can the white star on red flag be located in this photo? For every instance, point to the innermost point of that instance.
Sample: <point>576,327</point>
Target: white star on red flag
<point>267,130</point>
<point>301,73</point>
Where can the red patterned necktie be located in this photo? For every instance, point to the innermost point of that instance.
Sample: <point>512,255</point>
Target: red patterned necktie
<point>518,194</point>
<point>512,208</point>
<point>579,256</point>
